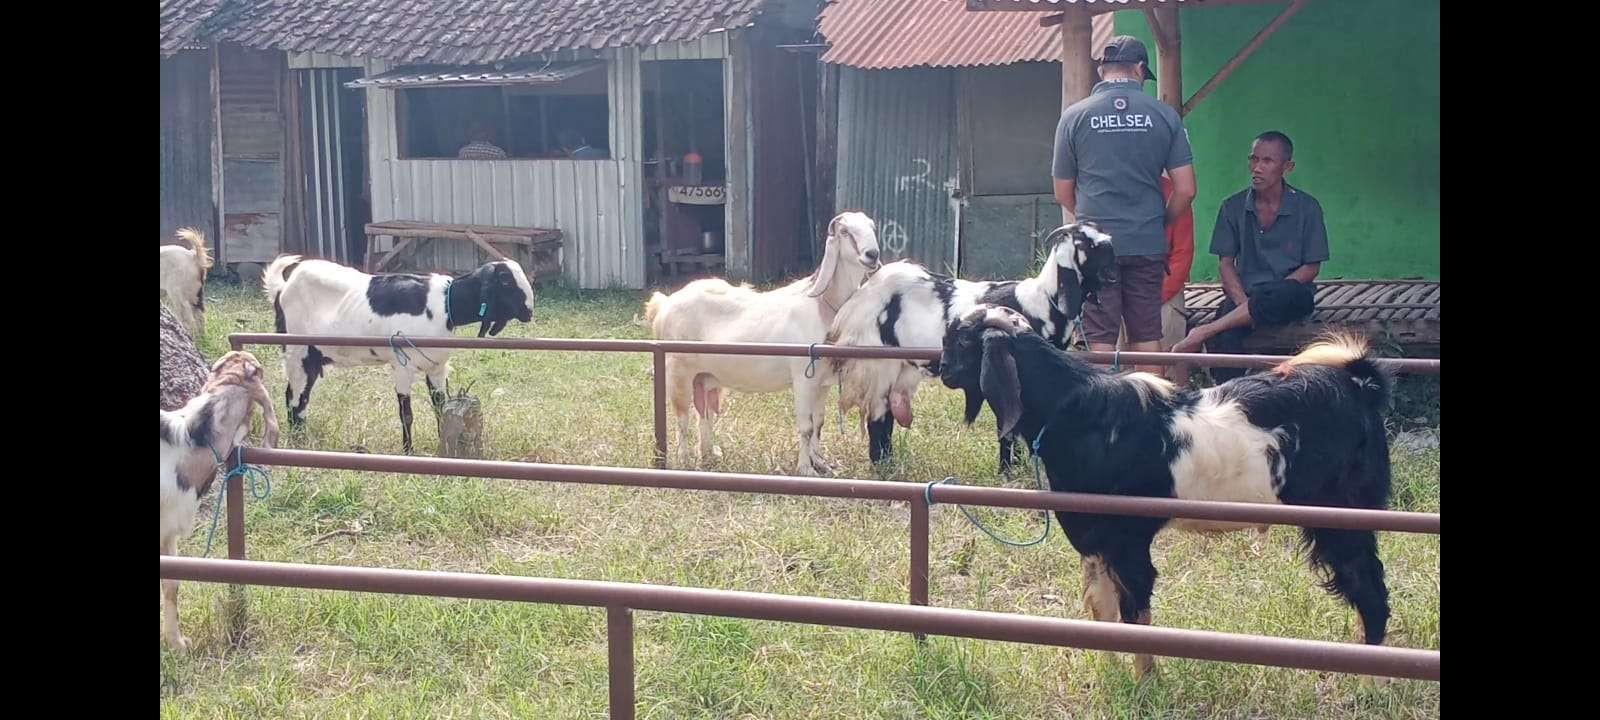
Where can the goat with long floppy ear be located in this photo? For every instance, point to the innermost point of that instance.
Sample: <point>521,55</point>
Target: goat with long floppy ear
<point>830,258</point>
<point>993,327</point>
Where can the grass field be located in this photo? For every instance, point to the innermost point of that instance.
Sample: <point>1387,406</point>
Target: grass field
<point>328,654</point>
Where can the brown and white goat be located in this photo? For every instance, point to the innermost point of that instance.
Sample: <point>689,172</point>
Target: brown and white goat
<point>194,440</point>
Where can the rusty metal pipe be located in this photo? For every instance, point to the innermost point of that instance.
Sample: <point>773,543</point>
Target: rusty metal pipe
<point>1115,637</point>
<point>1302,515</point>
<point>1406,365</point>
<point>659,388</point>
<point>619,643</point>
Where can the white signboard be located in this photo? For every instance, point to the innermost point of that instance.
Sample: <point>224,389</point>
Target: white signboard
<point>698,194</point>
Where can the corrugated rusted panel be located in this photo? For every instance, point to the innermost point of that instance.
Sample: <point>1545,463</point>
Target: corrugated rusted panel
<point>897,159</point>
<point>186,126</point>
<point>891,34</point>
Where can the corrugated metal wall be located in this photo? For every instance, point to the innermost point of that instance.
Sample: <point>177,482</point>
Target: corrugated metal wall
<point>897,159</point>
<point>596,204</point>
<point>186,130</point>
<point>783,108</point>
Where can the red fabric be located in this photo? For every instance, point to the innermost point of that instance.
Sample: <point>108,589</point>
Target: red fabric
<point>1180,247</point>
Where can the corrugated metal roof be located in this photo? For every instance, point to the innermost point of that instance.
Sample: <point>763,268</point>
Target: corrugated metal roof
<point>458,32</point>
<point>890,34</point>
<point>526,73</point>
<point>1098,6</point>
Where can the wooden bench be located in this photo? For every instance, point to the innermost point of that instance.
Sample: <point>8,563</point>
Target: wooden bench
<point>538,250</point>
<point>1401,312</point>
<point>678,262</point>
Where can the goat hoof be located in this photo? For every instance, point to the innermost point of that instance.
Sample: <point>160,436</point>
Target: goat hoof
<point>179,644</point>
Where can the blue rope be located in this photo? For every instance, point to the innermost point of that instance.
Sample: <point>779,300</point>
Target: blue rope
<point>251,472</point>
<point>811,367</point>
<point>1116,356</point>
<point>927,494</point>
<point>400,354</point>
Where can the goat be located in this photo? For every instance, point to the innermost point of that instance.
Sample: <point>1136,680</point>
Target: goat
<point>183,279</point>
<point>1309,432</point>
<point>194,440</point>
<point>712,310</point>
<point>906,305</point>
<point>318,297</point>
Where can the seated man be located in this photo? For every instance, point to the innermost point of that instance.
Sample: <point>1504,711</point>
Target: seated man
<point>1270,241</point>
<point>480,145</point>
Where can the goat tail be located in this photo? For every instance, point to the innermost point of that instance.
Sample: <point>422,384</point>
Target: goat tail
<point>277,275</point>
<point>197,243</point>
<point>653,309</point>
<point>1352,353</point>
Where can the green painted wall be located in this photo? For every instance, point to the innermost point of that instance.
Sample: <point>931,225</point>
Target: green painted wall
<point>1355,83</point>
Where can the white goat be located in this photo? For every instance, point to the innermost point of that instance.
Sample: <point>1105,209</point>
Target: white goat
<point>317,297</point>
<point>183,279</point>
<point>194,440</point>
<point>711,310</point>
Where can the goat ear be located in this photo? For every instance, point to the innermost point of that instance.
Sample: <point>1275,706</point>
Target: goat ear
<point>998,380</point>
<point>974,405</point>
<point>830,261</point>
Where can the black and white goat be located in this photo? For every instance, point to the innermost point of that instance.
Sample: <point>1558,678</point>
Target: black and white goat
<point>906,305</point>
<point>183,279</point>
<point>317,297</point>
<point>194,440</point>
<point>1308,432</point>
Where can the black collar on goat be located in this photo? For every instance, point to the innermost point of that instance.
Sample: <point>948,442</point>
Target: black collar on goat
<point>1308,432</point>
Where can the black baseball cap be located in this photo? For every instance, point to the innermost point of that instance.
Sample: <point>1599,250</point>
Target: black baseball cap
<point>1128,49</point>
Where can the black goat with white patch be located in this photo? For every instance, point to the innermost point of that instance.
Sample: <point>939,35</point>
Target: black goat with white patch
<point>317,297</point>
<point>1308,432</point>
<point>906,305</point>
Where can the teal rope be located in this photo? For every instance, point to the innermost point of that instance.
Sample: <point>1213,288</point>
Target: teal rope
<point>251,472</point>
<point>811,367</point>
<point>1116,356</point>
<point>400,354</point>
<point>927,494</point>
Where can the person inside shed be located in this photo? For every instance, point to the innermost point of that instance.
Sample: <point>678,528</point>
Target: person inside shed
<point>480,145</point>
<point>574,146</point>
<point>1270,242</point>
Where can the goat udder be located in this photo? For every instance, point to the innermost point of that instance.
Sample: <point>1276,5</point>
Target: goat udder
<point>706,401</point>
<point>900,407</point>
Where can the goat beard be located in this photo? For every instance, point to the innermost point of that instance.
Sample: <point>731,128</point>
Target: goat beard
<point>491,327</point>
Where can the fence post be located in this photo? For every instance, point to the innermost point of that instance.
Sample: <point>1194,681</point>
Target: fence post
<point>619,640</point>
<point>235,490</point>
<point>236,607</point>
<point>659,357</point>
<point>919,555</point>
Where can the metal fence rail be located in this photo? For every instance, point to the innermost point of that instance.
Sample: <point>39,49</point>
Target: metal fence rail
<point>620,599</point>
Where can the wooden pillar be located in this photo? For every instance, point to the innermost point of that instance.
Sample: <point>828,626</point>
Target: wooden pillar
<point>1077,65</point>
<point>1169,42</point>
